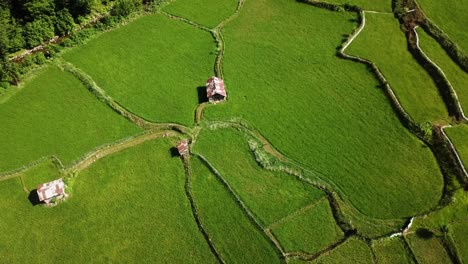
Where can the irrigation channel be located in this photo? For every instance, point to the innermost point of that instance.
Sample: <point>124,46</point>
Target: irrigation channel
<point>343,209</point>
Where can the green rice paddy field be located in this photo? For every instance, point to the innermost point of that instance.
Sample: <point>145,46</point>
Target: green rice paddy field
<point>451,17</point>
<point>305,162</point>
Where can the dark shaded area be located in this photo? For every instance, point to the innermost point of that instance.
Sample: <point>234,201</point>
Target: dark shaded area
<point>424,233</point>
<point>34,198</point>
<point>174,152</point>
<point>201,91</point>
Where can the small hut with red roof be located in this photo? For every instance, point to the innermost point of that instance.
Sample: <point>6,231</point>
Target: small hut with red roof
<point>51,190</point>
<point>215,90</point>
<point>183,147</point>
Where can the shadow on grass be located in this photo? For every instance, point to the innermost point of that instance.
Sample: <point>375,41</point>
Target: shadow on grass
<point>174,152</point>
<point>424,233</point>
<point>34,198</point>
<point>201,91</point>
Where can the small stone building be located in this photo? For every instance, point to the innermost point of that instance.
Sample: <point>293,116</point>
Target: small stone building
<point>215,90</point>
<point>183,147</point>
<point>50,190</point>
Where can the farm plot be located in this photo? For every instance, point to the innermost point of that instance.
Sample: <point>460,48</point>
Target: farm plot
<point>391,250</point>
<point>310,231</point>
<point>383,42</point>
<point>459,137</point>
<point>152,66</point>
<point>352,251</point>
<point>327,113</point>
<point>428,250</point>
<point>126,207</point>
<point>54,114</point>
<point>451,17</point>
<point>270,195</point>
<point>457,77</point>
<point>235,237</point>
<point>205,12</point>
<point>375,5</point>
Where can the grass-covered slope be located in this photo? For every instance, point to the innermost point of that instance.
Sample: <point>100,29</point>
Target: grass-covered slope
<point>152,66</point>
<point>233,234</point>
<point>284,78</point>
<point>270,195</point>
<point>352,251</point>
<point>54,114</point>
<point>450,16</point>
<point>457,77</point>
<point>383,42</point>
<point>428,250</point>
<point>205,12</point>
<point>127,207</point>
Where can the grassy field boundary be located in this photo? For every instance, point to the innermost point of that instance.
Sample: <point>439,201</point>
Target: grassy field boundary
<point>242,205</point>
<point>446,90</point>
<point>453,50</point>
<point>219,39</point>
<point>101,95</point>
<point>454,151</point>
<point>193,207</point>
<point>185,20</point>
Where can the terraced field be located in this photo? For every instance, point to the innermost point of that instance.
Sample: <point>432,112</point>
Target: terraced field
<point>54,114</point>
<point>309,160</point>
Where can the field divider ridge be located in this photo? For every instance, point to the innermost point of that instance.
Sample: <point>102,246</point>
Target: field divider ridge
<point>250,215</point>
<point>194,209</point>
<point>101,95</point>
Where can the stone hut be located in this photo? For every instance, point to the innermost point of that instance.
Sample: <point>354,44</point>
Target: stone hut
<point>50,190</point>
<point>183,147</point>
<point>215,90</point>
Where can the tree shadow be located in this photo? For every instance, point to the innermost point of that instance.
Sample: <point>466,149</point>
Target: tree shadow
<point>34,198</point>
<point>174,152</point>
<point>424,233</point>
<point>201,91</point>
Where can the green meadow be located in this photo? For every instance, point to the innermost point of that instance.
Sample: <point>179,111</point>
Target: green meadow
<point>450,16</point>
<point>153,66</point>
<point>391,250</point>
<point>208,13</point>
<point>352,251</point>
<point>127,207</point>
<point>328,114</point>
<point>54,114</point>
<point>459,137</point>
<point>427,250</point>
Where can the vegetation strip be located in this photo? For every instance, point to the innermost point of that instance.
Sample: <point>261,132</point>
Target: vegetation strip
<point>454,151</point>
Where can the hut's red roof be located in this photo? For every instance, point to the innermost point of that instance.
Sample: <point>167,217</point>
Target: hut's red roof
<point>50,190</point>
<point>183,147</point>
<point>215,85</point>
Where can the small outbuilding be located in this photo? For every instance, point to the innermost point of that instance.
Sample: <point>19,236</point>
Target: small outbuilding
<point>51,190</point>
<point>215,90</point>
<point>183,147</point>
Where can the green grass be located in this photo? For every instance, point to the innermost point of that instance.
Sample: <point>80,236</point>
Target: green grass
<point>310,231</point>
<point>232,233</point>
<point>428,250</point>
<point>127,207</point>
<point>383,42</point>
<point>284,78</point>
<point>270,195</point>
<point>352,251</point>
<point>457,77</point>
<point>373,5</point>
<point>391,250</point>
<point>54,114</point>
<point>459,137</point>
<point>450,16</point>
<point>44,172</point>
<point>460,237</point>
<point>151,66</point>
<point>205,12</point>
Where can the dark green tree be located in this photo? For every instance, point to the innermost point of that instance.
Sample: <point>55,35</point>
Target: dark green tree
<point>64,22</point>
